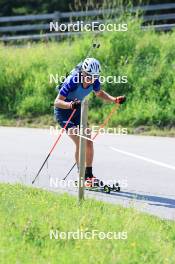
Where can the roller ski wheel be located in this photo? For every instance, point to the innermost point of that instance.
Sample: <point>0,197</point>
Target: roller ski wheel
<point>116,187</point>
<point>107,189</point>
<point>95,184</point>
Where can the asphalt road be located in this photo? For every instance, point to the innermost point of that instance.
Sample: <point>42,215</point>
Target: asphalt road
<point>144,166</point>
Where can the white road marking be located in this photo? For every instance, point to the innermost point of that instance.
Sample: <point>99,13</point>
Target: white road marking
<point>168,166</point>
<point>85,138</point>
<point>162,164</point>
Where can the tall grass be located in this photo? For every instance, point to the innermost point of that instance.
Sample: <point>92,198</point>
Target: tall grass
<point>146,58</point>
<point>28,215</point>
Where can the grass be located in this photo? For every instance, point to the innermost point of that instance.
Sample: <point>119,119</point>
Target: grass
<point>145,57</point>
<point>154,131</point>
<point>28,215</point>
<point>46,121</point>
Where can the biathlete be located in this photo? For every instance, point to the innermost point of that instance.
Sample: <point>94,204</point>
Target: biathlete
<point>73,90</point>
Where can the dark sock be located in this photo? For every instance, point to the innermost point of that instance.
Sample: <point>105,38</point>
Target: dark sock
<point>88,172</point>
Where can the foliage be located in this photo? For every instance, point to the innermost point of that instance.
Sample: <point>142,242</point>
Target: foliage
<point>146,58</point>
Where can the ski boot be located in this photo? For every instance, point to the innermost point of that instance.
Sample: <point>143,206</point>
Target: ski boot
<point>93,182</point>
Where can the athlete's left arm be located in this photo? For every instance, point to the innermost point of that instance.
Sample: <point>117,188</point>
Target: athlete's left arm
<point>105,96</point>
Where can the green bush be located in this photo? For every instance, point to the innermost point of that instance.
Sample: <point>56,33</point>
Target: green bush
<point>145,57</point>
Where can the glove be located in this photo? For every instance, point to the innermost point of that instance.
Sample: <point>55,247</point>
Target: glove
<point>75,104</point>
<point>120,99</point>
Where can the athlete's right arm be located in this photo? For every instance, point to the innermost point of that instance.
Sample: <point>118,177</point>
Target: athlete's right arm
<point>68,86</point>
<point>60,102</point>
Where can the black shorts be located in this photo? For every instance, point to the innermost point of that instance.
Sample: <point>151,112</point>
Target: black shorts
<point>62,116</point>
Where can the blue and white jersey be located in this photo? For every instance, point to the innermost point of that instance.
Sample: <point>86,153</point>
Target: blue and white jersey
<point>72,87</point>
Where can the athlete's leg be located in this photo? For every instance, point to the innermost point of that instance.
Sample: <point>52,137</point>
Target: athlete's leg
<point>72,133</point>
<point>75,138</point>
<point>62,116</point>
<point>89,155</point>
<point>89,149</point>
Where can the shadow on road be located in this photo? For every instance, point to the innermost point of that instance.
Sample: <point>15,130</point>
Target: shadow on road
<point>151,199</point>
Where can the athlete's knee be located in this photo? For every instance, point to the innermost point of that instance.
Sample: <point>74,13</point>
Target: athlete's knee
<point>89,144</point>
<point>73,131</point>
<point>77,145</point>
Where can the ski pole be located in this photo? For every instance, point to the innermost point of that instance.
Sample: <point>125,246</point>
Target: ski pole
<point>54,145</point>
<point>101,126</point>
<point>69,171</point>
<point>106,121</point>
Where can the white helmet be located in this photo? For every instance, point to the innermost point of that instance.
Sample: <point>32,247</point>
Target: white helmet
<point>91,66</point>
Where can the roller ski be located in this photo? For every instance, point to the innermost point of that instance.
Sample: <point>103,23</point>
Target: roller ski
<point>94,184</point>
